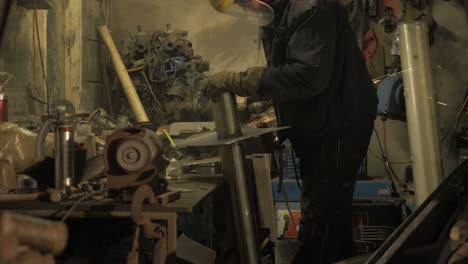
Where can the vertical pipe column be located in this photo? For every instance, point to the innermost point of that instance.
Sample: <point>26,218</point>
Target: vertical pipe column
<point>228,125</point>
<point>420,108</point>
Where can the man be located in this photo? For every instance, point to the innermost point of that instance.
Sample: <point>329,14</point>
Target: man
<point>317,78</point>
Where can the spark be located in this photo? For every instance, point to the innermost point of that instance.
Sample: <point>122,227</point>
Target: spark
<point>379,79</point>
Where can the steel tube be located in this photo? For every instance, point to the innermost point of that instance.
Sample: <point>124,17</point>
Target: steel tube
<point>64,156</point>
<point>421,109</point>
<point>122,73</point>
<point>233,160</point>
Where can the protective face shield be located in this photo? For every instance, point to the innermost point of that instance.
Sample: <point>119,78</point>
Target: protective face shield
<point>256,11</point>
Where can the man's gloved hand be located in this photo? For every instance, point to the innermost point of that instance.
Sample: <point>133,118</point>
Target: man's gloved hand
<point>239,83</point>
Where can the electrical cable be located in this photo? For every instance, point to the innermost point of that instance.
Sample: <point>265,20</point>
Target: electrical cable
<point>282,189</point>
<point>295,169</point>
<point>75,204</point>
<point>456,122</point>
<point>391,162</point>
<point>40,55</point>
<point>288,207</point>
<point>387,165</point>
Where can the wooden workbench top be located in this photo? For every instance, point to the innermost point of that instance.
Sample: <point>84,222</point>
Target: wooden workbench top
<point>193,191</point>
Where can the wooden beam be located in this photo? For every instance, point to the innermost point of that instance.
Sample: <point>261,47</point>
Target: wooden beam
<point>73,51</point>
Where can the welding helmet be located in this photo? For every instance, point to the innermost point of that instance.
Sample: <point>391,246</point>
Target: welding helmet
<point>256,11</point>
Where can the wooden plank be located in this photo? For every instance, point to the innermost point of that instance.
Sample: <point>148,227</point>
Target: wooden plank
<point>262,171</point>
<point>168,197</point>
<point>73,51</point>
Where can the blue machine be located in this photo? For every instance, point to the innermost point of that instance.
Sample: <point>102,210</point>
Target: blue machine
<point>391,98</point>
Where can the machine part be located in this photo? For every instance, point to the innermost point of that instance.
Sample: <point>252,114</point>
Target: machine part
<point>211,138</point>
<point>133,156</point>
<point>124,77</point>
<point>228,126</point>
<point>102,118</point>
<point>7,176</point>
<point>25,182</point>
<point>62,118</point>
<point>391,98</point>
<point>150,230</point>
<point>420,109</point>
<point>122,121</point>
<point>166,73</point>
<point>44,235</point>
<point>64,154</point>
<point>93,167</point>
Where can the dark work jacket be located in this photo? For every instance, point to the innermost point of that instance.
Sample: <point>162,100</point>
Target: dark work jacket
<point>316,72</point>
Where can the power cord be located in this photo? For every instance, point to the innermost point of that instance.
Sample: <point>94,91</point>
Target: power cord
<point>281,185</point>
<point>295,169</point>
<point>388,168</point>
<point>75,204</point>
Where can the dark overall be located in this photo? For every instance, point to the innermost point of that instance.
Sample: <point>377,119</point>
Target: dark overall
<point>317,77</point>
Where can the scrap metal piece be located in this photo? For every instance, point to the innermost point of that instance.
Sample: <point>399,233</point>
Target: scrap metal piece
<point>133,156</point>
<point>150,230</point>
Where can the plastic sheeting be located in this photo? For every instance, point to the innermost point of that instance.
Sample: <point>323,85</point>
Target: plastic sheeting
<point>18,146</point>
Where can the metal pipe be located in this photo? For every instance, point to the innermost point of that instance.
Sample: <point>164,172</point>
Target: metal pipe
<point>64,155</point>
<point>228,125</point>
<point>122,73</point>
<point>421,109</point>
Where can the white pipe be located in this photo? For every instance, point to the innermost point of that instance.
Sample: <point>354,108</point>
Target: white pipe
<point>124,78</point>
<point>420,108</point>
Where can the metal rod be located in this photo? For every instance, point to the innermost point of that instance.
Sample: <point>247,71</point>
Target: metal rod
<point>233,160</point>
<point>421,109</point>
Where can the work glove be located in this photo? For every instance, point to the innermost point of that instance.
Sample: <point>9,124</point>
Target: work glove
<point>240,83</point>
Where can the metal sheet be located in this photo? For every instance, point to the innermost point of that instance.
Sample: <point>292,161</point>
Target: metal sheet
<point>211,138</point>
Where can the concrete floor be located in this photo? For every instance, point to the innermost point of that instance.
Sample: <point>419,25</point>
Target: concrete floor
<point>285,250</point>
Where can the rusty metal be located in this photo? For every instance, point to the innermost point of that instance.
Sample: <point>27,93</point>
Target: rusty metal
<point>133,156</point>
<point>150,230</point>
<point>38,235</point>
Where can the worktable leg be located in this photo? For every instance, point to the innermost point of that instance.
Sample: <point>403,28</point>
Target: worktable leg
<point>171,234</point>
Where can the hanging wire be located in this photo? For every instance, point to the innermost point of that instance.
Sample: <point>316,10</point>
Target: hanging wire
<point>387,164</point>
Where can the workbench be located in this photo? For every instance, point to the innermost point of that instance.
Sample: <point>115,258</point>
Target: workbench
<point>194,189</point>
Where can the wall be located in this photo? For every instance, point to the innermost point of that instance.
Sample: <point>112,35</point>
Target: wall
<point>75,52</point>
<point>227,43</point>
<point>19,56</point>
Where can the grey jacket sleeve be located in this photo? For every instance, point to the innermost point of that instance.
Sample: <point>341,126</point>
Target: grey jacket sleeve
<point>309,60</point>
